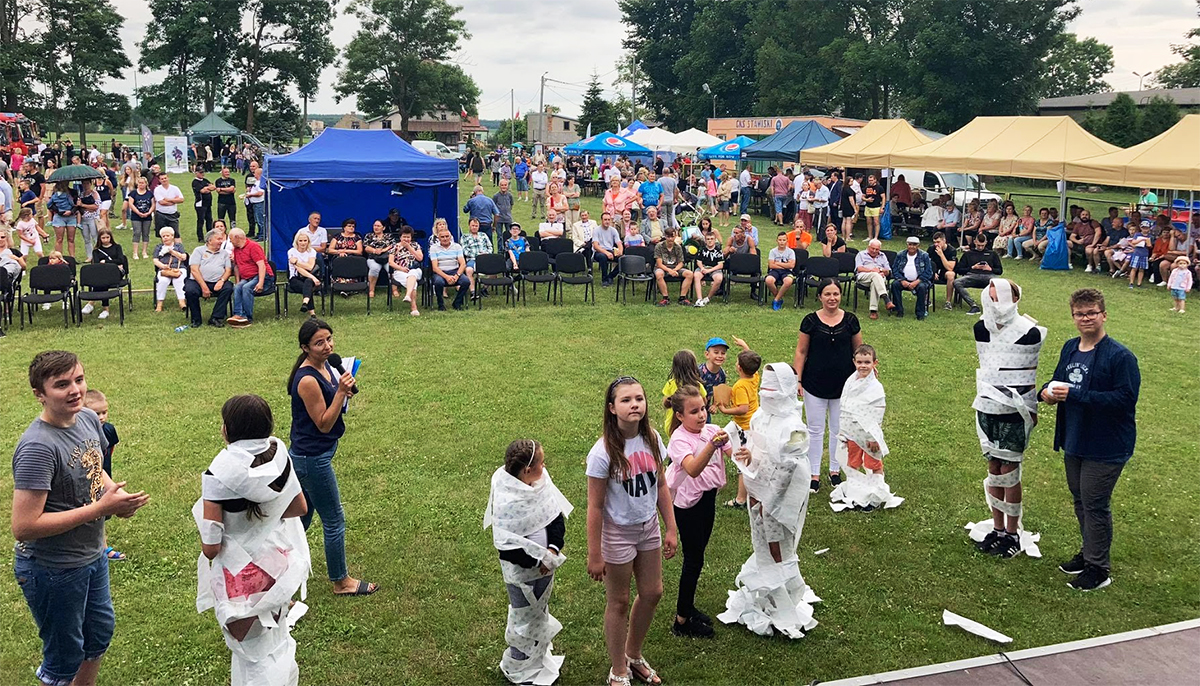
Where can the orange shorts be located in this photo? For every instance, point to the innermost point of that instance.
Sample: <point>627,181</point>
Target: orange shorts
<point>857,458</point>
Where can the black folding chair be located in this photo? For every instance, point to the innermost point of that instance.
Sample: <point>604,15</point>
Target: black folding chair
<point>10,292</point>
<point>745,268</point>
<point>273,289</point>
<point>646,252</point>
<point>632,269</point>
<point>348,274</point>
<point>534,267</point>
<point>815,269</point>
<point>572,269</point>
<point>553,247</point>
<point>100,282</point>
<point>48,284</point>
<point>318,291</point>
<point>492,271</point>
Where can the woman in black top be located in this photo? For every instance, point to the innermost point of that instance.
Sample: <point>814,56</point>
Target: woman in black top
<point>319,396</point>
<point>824,360</point>
<point>107,251</point>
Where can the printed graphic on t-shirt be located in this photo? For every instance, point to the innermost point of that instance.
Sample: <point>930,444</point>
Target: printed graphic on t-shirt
<point>645,474</point>
<point>91,459</point>
<point>1077,373</point>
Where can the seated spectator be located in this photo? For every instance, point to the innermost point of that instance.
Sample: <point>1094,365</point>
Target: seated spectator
<point>1025,228</point>
<point>552,227</point>
<point>1158,252</point>
<point>706,227</point>
<point>740,242</point>
<point>668,263</point>
<point>516,245</point>
<point>751,230</point>
<point>1181,246</point>
<point>107,251</point>
<point>871,269</point>
<point>405,258</point>
<point>831,241</point>
<point>781,262</point>
<point>912,271</point>
<point>376,247</point>
<point>254,277</point>
<point>652,226</point>
<point>951,222</point>
<point>209,269</point>
<point>170,260</point>
<point>582,233</point>
<point>12,262</point>
<point>318,237</point>
<point>394,224</point>
<point>475,243</point>
<point>304,274</point>
<point>799,237</point>
<point>1117,246</point>
<point>973,219</point>
<point>710,265</point>
<point>1009,224</point>
<point>348,242</point>
<point>1082,236</point>
<point>1037,246</point>
<point>942,257</point>
<point>450,269</point>
<point>606,249</point>
<point>990,223</point>
<point>931,218</point>
<point>981,266</point>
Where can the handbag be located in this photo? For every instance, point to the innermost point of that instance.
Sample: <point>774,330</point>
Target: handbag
<point>171,273</point>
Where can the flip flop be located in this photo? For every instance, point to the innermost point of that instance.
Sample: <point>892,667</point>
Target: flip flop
<point>735,504</point>
<point>364,588</point>
<point>114,555</point>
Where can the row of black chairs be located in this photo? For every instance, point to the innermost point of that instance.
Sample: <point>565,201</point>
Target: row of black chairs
<point>71,285</point>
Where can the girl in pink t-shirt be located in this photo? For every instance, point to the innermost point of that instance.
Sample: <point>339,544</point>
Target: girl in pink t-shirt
<point>694,477</point>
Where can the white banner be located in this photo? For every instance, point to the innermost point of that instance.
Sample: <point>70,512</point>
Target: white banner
<point>175,154</point>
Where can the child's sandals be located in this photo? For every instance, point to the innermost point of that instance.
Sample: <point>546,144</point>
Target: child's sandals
<point>649,677</point>
<point>618,680</point>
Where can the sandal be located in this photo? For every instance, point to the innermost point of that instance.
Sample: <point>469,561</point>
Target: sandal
<point>735,504</point>
<point>114,555</point>
<point>619,680</point>
<point>650,677</point>
<point>364,588</point>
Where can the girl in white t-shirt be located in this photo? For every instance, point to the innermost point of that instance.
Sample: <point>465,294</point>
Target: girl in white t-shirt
<point>627,491</point>
<point>29,233</point>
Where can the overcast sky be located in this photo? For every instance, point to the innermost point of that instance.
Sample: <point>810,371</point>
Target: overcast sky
<point>577,37</point>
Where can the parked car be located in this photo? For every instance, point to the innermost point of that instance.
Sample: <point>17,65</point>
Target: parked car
<point>436,149</point>
<point>963,187</point>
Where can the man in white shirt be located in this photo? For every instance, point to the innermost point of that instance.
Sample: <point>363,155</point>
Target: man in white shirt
<point>745,182</point>
<point>257,195</point>
<point>95,156</point>
<point>582,231</point>
<point>539,179</point>
<point>167,198</point>
<point>606,249</point>
<point>552,227</point>
<point>820,205</point>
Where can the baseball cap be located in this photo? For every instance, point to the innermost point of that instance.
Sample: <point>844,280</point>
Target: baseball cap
<point>914,239</point>
<point>715,340</point>
<point>746,217</point>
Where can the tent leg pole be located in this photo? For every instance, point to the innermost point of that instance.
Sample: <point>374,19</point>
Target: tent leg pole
<point>1062,201</point>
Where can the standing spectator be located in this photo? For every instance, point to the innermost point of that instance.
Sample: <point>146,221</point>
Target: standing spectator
<point>835,199</point>
<point>781,187</point>
<point>140,205</point>
<point>818,204</point>
<point>521,172</point>
<point>617,198</point>
<point>650,192</point>
<point>670,195</point>
<point>745,190</point>
<point>226,187</point>
<point>539,179</point>
<point>209,267</point>
<point>912,271</point>
<point>872,206</point>
<point>978,267</point>
<point>848,210</point>
<point>825,359</point>
<point>255,277</point>
<point>256,195</point>
<point>64,215</point>
<point>167,199</point>
<point>871,269</point>
<point>89,215</point>
<point>202,190</point>
<point>504,205</point>
<point>476,166</point>
<point>902,192</point>
<point>482,209</point>
<point>1096,384</point>
<point>61,499</point>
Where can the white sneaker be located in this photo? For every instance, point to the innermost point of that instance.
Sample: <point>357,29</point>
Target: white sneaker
<point>135,256</point>
<point>699,303</point>
<point>1162,284</point>
<point>1088,270</point>
<point>46,306</point>
<point>104,314</point>
<point>1016,258</point>
<point>87,309</point>
<point>415,313</point>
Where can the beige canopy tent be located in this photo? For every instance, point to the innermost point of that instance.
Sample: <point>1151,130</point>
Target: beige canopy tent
<point>1026,147</point>
<point>1169,160</point>
<point>871,147</point>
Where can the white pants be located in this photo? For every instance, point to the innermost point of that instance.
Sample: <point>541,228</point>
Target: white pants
<point>373,268</point>
<point>161,283</point>
<point>401,278</point>
<point>814,414</point>
<point>878,286</point>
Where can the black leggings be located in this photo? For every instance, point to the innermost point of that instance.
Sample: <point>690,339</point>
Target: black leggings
<point>695,526</point>
<point>302,285</point>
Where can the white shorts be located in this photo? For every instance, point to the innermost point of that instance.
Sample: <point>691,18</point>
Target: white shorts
<point>35,248</point>
<point>402,277</point>
<point>105,205</point>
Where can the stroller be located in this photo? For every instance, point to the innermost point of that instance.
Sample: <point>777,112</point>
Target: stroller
<point>691,209</point>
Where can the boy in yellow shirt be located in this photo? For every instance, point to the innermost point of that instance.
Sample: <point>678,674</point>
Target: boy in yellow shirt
<point>743,405</point>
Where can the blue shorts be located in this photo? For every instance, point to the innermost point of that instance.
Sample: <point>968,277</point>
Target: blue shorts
<point>59,220</point>
<point>522,185</point>
<point>471,263</point>
<point>780,201</point>
<point>780,275</point>
<point>1179,294</point>
<point>73,611</point>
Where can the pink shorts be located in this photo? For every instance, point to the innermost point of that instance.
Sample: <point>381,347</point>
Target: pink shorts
<point>620,543</point>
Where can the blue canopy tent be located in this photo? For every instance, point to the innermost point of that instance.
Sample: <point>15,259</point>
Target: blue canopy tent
<point>634,126</point>
<point>729,150</point>
<point>785,146</point>
<point>606,143</point>
<point>346,173</point>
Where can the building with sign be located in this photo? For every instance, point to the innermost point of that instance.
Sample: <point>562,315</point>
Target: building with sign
<point>728,128</point>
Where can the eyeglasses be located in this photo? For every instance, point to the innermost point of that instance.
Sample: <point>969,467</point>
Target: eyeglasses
<point>1087,315</point>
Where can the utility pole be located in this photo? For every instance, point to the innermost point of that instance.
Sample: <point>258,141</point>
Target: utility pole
<point>633,92</point>
<point>512,130</point>
<point>541,107</point>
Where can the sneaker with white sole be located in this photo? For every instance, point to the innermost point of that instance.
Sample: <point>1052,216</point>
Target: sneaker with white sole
<point>1162,284</point>
<point>1088,270</point>
<point>1093,578</point>
<point>103,314</point>
<point>87,309</point>
<point>1074,566</point>
<point>45,306</point>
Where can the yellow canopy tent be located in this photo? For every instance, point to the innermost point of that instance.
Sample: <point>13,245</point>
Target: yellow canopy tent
<point>871,147</point>
<point>1027,147</point>
<point>1169,160</point>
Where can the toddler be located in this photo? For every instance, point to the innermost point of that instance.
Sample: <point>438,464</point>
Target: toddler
<point>96,402</point>
<point>1180,282</point>
<point>860,439</point>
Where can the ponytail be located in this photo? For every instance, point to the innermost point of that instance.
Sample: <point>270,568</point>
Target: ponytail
<point>675,403</point>
<point>308,329</point>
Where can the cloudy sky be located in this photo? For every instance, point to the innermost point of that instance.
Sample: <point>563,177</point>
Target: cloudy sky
<point>577,37</point>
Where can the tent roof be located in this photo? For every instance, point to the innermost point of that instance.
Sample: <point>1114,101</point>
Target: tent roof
<point>635,125</point>
<point>726,150</point>
<point>789,141</point>
<point>1169,160</point>
<point>213,125</point>
<point>1028,147</point>
<point>870,147</point>
<point>603,143</point>
<point>654,139</point>
<point>365,156</point>
<point>694,139</point>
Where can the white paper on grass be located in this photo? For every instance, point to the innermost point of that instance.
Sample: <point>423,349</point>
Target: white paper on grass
<point>295,613</point>
<point>971,626</point>
<point>735,443</point>
<point>822,551</point>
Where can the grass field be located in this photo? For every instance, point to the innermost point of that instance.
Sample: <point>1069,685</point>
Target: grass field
<point>445,393</point>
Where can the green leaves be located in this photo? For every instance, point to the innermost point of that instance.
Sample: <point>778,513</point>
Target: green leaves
<point>1076,67</point>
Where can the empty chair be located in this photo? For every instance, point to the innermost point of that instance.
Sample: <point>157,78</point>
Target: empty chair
<point>632,270</point>
<point>348,274</point>
<point>534,268</point>
<point>101,282</point>
<point>48,284</point>
<point>553,247</point>
<point>492,271</point>
<point>572,269</point>
<point>744,268</point>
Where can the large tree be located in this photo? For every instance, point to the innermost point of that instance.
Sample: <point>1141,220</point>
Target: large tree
<point>397,60</point>
<point>720,54</point>
<point>194,41</point>
<point>659,34</point>
<point>1185,74</point>
<point>17,50</point>
<point>596,112</point>
<point>1076,67</point>
<point>1157,116</point>
<point>1122,124</point>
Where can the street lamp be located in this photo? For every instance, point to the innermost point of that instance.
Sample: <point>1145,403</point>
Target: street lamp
<point>714,96</point>
<point>1142,77</point>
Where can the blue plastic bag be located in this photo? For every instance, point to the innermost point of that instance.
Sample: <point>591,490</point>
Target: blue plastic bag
<point>1058,254</point>
<point>885,222</point>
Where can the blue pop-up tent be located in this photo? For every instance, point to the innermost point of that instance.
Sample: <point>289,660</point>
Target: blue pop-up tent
<point>786,145</point>
<point>346,173</point>
<point>606,143</point>
<point>636,125</point>
<point>729,150</point>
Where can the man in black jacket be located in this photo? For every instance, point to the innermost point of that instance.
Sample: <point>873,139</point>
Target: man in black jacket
<point>976,269</point>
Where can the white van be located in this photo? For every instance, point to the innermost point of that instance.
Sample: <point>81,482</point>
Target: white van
<point>436,149</point>
<point>965,187</point>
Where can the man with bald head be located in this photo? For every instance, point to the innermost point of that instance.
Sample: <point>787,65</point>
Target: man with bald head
<point>871,269</point>
<point>254,277</point>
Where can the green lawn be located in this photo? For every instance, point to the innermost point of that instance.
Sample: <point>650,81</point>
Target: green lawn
<point>444,394</point>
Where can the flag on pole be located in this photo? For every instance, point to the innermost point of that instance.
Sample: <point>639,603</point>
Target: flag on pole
<point>589,131</point>
<point>464,111</point>
<point>517,115</point>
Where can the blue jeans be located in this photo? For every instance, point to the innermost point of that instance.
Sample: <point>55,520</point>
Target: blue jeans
<point>320,487</point>
<point>260,217</point>
<point>73,611</point>
<point>744,199</point>
<point>243,295</point>
<point>780,201</point>
<point>459,280</point>
<point>1016,245</point>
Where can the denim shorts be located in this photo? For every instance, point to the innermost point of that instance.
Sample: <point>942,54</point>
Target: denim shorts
<point>780,201</point>
<point>1178,294</point>
<point>73,611</point>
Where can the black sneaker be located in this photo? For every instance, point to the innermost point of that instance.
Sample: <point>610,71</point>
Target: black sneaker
<point>702,618</point>
<point>1073,566</point>
<point>988,541</point>
<point>692,628</point>
<point>974,310</point>
<point>1091,579</point>
<point>1006,546</point>
<point>815,485</point>
<point>835,478</point>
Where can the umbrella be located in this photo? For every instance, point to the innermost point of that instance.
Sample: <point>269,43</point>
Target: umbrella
<point>75,172</point>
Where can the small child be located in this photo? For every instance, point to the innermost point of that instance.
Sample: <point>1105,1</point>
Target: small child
<point>528,517</point>
<point>781,260</point>
<point>96,402</point>
<point>30,233</point>
<point>694,477</point>
<point>1139,256</point>
<point>516,245</point>
<point>860,439</point>
<point>743,404</point>
<point>633,236</point>
<point>1180,282</point>
<point>56,259</point>
<point>685,371</point>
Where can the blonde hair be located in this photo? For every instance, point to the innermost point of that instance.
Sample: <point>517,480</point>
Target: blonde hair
<point>297,237</point>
